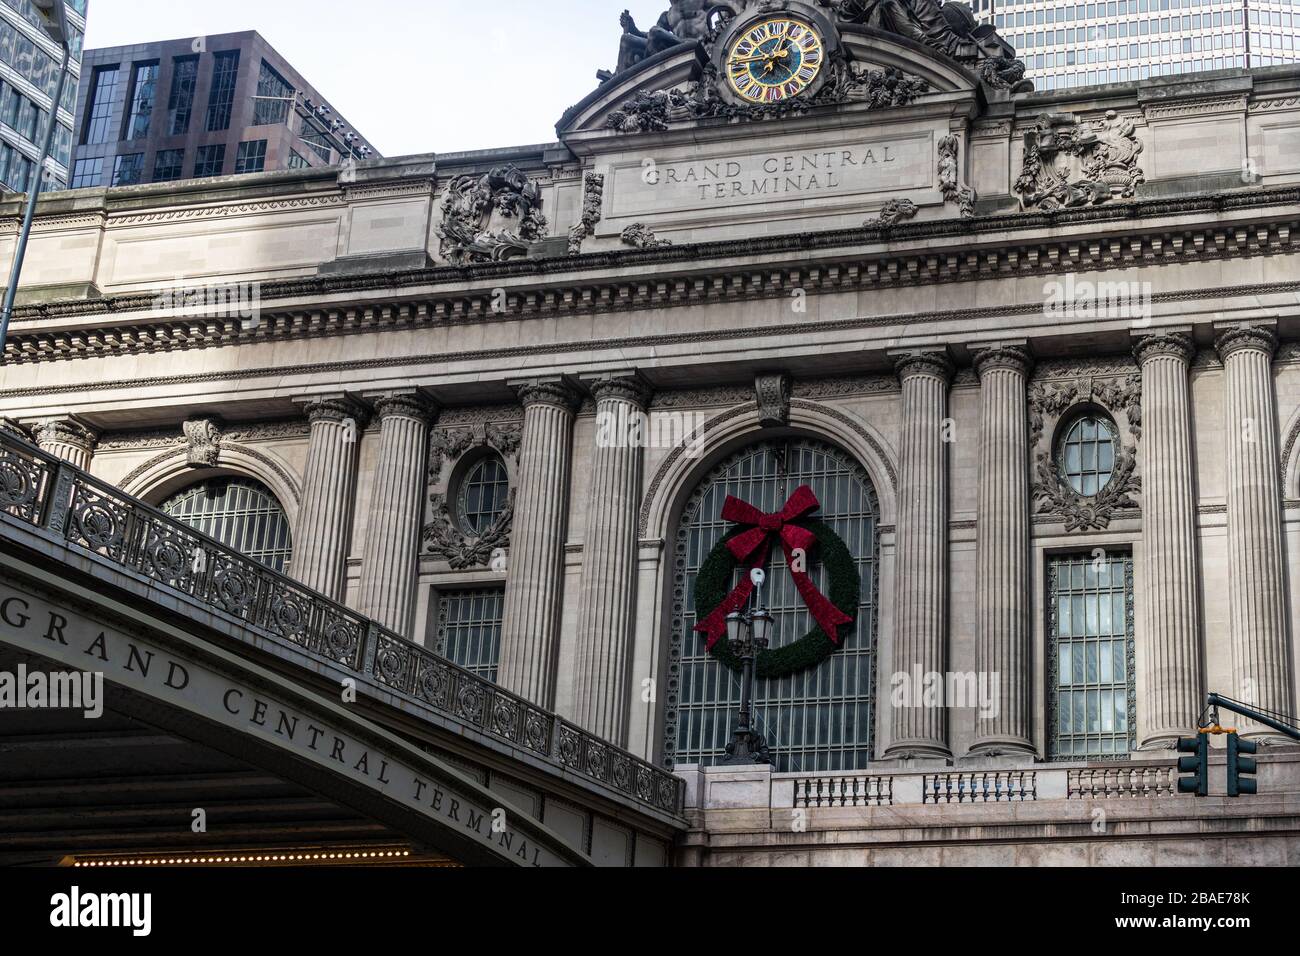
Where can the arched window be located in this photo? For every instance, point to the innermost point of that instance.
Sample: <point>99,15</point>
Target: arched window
<point>1087,454</point>
<point>240,513</point>
<point>820,719</point>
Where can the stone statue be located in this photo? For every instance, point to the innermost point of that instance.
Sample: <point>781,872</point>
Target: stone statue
<point>684,22</point>
<point>946,26</point>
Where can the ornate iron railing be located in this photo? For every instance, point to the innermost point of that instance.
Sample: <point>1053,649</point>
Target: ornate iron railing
<point>980,787</point>
<point>67,503</point>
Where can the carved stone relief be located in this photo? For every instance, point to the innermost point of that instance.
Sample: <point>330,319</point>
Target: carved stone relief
<point>1051,401</point>
<point>949,178</point>
<point>593,191</point>
<point>1069,162</point>
<point>203,442</point>
<point>640,236</point>
<point>469,205</point>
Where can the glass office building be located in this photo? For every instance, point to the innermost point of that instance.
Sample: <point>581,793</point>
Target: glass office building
<point>198,107</point>
<point>29,74</point>
<point>1081,44</point>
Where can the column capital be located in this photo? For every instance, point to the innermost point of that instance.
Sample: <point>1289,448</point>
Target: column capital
<point>1177,343</point>
<point>406,403</point>
<point>627,385</point>
<point>338,407</point>
<point>547,391</point>
<point>1259,338</point>
<point>68,431</point>
<point>909,363</point>
<point>1010,355</point>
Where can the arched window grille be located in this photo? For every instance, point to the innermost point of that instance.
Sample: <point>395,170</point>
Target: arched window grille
<point>484,494</point>
<point>240,513</point>
<point>820,719</point>
<point>1087,454</point>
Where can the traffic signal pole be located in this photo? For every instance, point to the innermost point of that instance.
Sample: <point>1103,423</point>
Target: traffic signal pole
<point>1237,707</point>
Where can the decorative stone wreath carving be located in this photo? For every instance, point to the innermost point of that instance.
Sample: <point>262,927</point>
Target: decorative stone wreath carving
<point>1050,402</point>
<point>893,212</point>
<point>468,206</point>
<point>1069,162</point>
<point>443,536</point>
<point>593,192</point>
<point>640,236</point>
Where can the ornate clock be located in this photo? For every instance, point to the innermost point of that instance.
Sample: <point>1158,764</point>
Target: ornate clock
<point>774,60</point>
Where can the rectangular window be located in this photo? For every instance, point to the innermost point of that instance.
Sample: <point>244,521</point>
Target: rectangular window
<point>129,170</point>
<point>225,71</point>
<point>1090,684</point>
<point>168,164</point>
<point>144,89</point>
<point>251,157</point>
<point>274,97</point>
<point>469,629</point>
<point>180,104</point>
<point>87,173</point>
<point>297,161</point>
<point>209,160</point>
<point>103,88</point>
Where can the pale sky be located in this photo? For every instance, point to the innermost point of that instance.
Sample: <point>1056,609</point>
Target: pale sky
<point>414,76</point>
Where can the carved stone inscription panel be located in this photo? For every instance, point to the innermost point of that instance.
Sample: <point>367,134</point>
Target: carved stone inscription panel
<point>833,171</point>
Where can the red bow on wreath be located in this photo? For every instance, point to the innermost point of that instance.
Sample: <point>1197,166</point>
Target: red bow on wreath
<point>752,547</point>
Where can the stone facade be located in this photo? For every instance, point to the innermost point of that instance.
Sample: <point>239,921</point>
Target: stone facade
<point>906,274</point>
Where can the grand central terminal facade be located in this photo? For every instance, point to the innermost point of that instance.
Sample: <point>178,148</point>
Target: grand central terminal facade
<point>1036,356</point>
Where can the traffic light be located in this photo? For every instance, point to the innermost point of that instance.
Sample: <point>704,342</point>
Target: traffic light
<point>1197,764</point>
<point>1237,765</point>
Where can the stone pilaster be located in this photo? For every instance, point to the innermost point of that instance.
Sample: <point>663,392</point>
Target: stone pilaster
<point>67,439</point>
<point>1256,579</point>
<point>604,645</point>
<point>921,590</point>
<point>392,549</point>
<point>1003,653</point>
<point>530,629</point>
<point>321,540</point>
<point>1170,655</point>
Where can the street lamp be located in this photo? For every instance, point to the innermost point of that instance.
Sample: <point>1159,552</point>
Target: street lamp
<point>54,20</point>
<point>747,635</point>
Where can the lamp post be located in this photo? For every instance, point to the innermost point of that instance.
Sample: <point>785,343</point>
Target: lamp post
<point>747,635</point>
<point>54,16</point>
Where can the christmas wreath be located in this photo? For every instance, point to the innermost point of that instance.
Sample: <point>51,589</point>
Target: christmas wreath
<point>801,537</point>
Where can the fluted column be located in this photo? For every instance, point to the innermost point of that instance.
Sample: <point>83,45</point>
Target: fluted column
<point>1256,599</point>
<point>392,550</point>
<point>601,696</point>
<point>530,629</point>
<point>1170,653</point>
<point>67,439</point>
<point>1003,653</point>
<point>320,547</point>
<point>921,591</point>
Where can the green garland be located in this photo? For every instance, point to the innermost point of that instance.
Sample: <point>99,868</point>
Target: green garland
<point>713,584</point>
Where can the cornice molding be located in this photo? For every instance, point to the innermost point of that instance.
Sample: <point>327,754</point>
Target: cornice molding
<point>889,266</point>
<point>802,328</point>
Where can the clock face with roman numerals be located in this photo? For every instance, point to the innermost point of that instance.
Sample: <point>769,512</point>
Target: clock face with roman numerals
<point>775,60</point>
